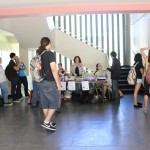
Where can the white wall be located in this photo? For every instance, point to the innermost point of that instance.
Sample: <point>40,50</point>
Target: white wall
<point>139,33</point>
<point>71,47</point>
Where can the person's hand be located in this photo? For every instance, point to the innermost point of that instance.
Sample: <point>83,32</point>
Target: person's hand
<point>58,86</point>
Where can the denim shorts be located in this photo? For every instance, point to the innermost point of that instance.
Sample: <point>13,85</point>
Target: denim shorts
<point>49,95</point>
<point>139,80</point>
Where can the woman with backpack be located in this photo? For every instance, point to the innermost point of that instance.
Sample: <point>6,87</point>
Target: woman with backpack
<point>146,83</point>
<point>139,69</point>
<point>49,87</point>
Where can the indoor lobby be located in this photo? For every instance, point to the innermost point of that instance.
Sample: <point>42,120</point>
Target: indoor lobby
<point>91,30</point>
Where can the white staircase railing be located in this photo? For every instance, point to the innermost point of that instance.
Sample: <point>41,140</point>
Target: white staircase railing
<point>79,38</point>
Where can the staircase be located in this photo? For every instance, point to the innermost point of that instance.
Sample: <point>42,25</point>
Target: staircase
<point>70,47</point>
<point>123,84</point>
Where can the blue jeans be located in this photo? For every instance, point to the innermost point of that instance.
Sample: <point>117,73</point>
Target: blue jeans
<point>115,91</point>
<point>35,93</point>
<point>4,91</point>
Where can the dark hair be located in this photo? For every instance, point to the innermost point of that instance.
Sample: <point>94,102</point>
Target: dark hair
<point>77,57</point>
<point>44,42</point>
<point>60,64</point>
<point>113,54</point>
<point>138,58</point>
<point>97,66</point>
<point>149,56</point>
<point>12,55</point>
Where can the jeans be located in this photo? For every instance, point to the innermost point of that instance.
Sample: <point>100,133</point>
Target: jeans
<point>4,91</point>
<point>25,84</point>
<point>15,88</point>
<point>35,93</point>
<point>115,91</point>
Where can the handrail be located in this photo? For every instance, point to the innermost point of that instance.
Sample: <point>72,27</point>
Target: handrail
<point>95,46</point>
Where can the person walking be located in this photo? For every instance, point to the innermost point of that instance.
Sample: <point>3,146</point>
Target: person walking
<point>49,87</point>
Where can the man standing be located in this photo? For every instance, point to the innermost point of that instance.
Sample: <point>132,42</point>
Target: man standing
<point>115,76</point>
<point>14,79</point>
<point>3,85</point>
<point>22,75</point>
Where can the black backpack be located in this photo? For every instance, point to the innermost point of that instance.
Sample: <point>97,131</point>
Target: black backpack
<point>7,72</point>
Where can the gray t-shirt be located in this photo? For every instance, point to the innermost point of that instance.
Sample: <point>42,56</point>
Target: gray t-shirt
<point>2,75</point>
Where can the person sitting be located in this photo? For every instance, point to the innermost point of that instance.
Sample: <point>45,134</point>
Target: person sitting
<point>103,83</point>
<point>61,71</point>
<point>77,68</point>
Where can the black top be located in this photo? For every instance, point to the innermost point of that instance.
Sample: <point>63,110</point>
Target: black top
<point>115,69</point>
<point>47,58</point>
<point>12,71</point>
<point>137,69</point>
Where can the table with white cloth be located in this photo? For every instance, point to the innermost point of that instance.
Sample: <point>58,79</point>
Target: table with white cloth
<point>81,84</point>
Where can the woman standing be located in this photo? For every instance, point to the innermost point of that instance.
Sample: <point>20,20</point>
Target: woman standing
<point>77,68</point>
<point>49,88</point>
<point>146,86</point>
<point>139,71</point>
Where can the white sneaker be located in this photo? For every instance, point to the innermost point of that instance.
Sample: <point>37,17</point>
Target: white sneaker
<point>8,104</point>
<point>145,111</point>
<point>20,99</point>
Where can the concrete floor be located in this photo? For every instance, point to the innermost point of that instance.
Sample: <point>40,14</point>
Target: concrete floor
<point>101,126</point>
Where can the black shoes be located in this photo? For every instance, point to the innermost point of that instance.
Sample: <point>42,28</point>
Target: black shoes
<point>53,124</point>
<point>48,126</point>
<point>139,105</point>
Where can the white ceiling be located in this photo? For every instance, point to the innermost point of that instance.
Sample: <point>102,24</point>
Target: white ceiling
<point>9,11</point>
<point>7,4</point>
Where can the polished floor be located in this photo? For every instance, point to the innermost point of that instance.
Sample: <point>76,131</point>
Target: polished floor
<point>102,126</point>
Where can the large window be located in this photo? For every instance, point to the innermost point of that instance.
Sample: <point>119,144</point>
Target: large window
<point>105,31</point>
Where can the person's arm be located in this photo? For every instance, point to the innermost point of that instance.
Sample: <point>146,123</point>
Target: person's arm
<point>55,74</point>
<point>82,67</point>
<point>143,53</point>
<point>16,66</point>
<point>24,67</point>
<point>142,70</point>
<point>112,67</point>
<point>71,70</point>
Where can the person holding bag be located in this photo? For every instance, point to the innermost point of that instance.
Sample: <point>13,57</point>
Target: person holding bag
<point>49,87</point>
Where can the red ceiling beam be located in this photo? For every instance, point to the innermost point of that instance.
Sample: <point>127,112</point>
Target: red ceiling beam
<point>75,9</point>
